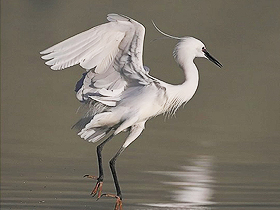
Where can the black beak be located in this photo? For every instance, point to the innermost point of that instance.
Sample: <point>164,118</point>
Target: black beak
<point>211,58</point>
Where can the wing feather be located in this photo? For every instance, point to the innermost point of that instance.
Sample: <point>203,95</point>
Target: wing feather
<point>112,55</point>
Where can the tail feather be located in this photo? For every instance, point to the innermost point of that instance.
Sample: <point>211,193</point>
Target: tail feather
<point>93,126</point>
<point>97,136</point>
<point>82,123</point>
<point>93,134</point>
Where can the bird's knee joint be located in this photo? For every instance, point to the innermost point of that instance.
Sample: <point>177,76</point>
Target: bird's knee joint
<point>100,179</point>
<point>112,162</point>
<point>99,148</point>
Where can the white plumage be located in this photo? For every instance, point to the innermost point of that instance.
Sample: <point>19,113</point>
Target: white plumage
<point>117,90</point>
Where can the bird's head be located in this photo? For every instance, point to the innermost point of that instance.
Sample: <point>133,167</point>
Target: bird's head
<point>191,47</point>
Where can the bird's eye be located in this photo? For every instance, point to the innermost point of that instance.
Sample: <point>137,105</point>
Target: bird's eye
<point>203,49</point>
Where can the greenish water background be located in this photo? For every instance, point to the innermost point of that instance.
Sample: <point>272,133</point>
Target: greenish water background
<point>222,151</point>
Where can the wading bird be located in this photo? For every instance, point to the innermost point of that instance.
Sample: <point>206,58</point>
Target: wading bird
<point>116,89</point>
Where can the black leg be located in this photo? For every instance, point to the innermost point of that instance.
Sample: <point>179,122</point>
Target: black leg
<point>99,184</point>
<point>135,131</point>
<point>99,149</point>
<point>118,205</point>
<point>114,173</point>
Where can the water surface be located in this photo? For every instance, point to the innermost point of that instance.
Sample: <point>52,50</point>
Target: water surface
<point>221,151</point>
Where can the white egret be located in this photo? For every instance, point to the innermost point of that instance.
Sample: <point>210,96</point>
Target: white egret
<point>116,88</point>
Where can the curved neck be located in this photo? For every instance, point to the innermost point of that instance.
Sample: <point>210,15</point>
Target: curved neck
<point>189,86</point>
<point>180,94</point>
<point>190,72</point>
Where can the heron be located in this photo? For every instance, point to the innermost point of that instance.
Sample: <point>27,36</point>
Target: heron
<point>117,90</point>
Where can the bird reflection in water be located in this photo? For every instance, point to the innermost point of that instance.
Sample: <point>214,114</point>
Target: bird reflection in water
<point>194,185</point>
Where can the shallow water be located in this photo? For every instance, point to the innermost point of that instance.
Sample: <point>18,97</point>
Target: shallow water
<point>222,151</point>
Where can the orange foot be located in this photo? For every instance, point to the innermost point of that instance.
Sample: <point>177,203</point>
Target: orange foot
<point>118,205</point>
<point>98,187</point>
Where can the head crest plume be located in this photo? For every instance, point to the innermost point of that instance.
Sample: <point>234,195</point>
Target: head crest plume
<point>165,34</point>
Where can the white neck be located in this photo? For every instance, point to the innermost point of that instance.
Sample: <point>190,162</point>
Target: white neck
<point>180,94</point>
<point>191,78</point>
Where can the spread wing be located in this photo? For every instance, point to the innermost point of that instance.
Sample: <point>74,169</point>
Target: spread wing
<point>111,53</point>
